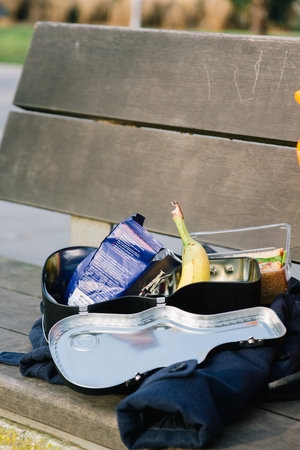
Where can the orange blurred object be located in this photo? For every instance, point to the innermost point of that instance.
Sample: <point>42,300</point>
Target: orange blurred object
<point>298,152</point>
<point>297,97</point>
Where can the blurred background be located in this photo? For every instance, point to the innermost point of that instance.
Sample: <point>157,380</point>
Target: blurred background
<point>30,234</point>
<point>256,16</point>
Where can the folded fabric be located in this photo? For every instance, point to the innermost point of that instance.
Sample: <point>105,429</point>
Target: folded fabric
<point>38,362</point>
<point>11,358</point>
<point>187,405</point>
<point>284,380</point>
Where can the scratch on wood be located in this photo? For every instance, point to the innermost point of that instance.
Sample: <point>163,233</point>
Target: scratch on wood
<point>236,83</point>
<point>208,82</point>
<point>286,63</point>
<point>274,207</point>
<point>271,76</point>
<point>282,71</point>
<point>242,101</point>
<point>257,68</point>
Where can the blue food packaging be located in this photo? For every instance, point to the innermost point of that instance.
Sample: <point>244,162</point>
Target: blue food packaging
<point>119,261</point>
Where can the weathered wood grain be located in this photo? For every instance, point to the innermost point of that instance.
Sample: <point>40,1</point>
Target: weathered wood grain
<point>109,172</point>
<point>289,408</point>
<point>256,428</point>
<point>89,417</point>
<point>241,85</point>
<point>18,311</point>
<point>19,277</point>
<point>12,341</point>
<point>20,297</point>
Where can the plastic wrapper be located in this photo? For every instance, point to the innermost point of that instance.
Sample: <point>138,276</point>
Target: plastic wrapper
<point>119,261</point>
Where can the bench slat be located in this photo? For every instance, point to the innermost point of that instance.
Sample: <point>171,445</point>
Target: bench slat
<point>16,276</point>
<point>13,342</point>
<point>13,316</point>
<point>260,429</point>
<point>241,85</point>
<point>93,417</point>
<point>88,417</point>
<point>109,172</point>
<point>287,409</point>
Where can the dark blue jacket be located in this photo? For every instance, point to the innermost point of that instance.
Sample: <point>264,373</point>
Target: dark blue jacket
<point>187,405</point>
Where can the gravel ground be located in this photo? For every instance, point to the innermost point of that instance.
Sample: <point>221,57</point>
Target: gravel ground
<point>14,436</point>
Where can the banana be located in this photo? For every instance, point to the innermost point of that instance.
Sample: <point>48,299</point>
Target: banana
<point>195,262</point>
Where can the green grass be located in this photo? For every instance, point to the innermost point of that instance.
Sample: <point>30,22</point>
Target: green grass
<point>14,43</point>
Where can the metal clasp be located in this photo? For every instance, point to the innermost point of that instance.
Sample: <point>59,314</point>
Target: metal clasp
<point>83,310</point>
<point>160,302</point>
<point>251,342</point>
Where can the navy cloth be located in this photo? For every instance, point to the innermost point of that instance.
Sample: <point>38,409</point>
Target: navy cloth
<point>11,358</point>
<point>187,405</point>
<point>38,363</point>
<point>284,380</point>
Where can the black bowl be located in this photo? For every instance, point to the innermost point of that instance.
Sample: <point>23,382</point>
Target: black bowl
<point>209,297</point>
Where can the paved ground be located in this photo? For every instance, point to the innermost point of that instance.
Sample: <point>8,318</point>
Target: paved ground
<point>26,234</point>
<point>9,76</point>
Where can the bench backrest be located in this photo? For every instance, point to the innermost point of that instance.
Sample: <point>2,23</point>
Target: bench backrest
<point>116,121</point>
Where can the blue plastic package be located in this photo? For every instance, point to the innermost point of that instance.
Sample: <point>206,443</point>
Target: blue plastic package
<point>110,270</point>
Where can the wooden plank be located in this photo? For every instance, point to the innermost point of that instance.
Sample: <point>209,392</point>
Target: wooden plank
<point>86,416</point>
<point>256,428</point>
<point>286,408</point>
<point>20,277</point>
<point>109,172</point>
<point>20,297</point>
<point>13,342</point>
<point>18,311</point>
<point>243,85</point>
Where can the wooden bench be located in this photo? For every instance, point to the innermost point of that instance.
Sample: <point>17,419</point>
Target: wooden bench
<point>115,121</point>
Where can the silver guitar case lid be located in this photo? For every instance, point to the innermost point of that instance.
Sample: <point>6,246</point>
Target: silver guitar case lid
<point>96,353</point>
